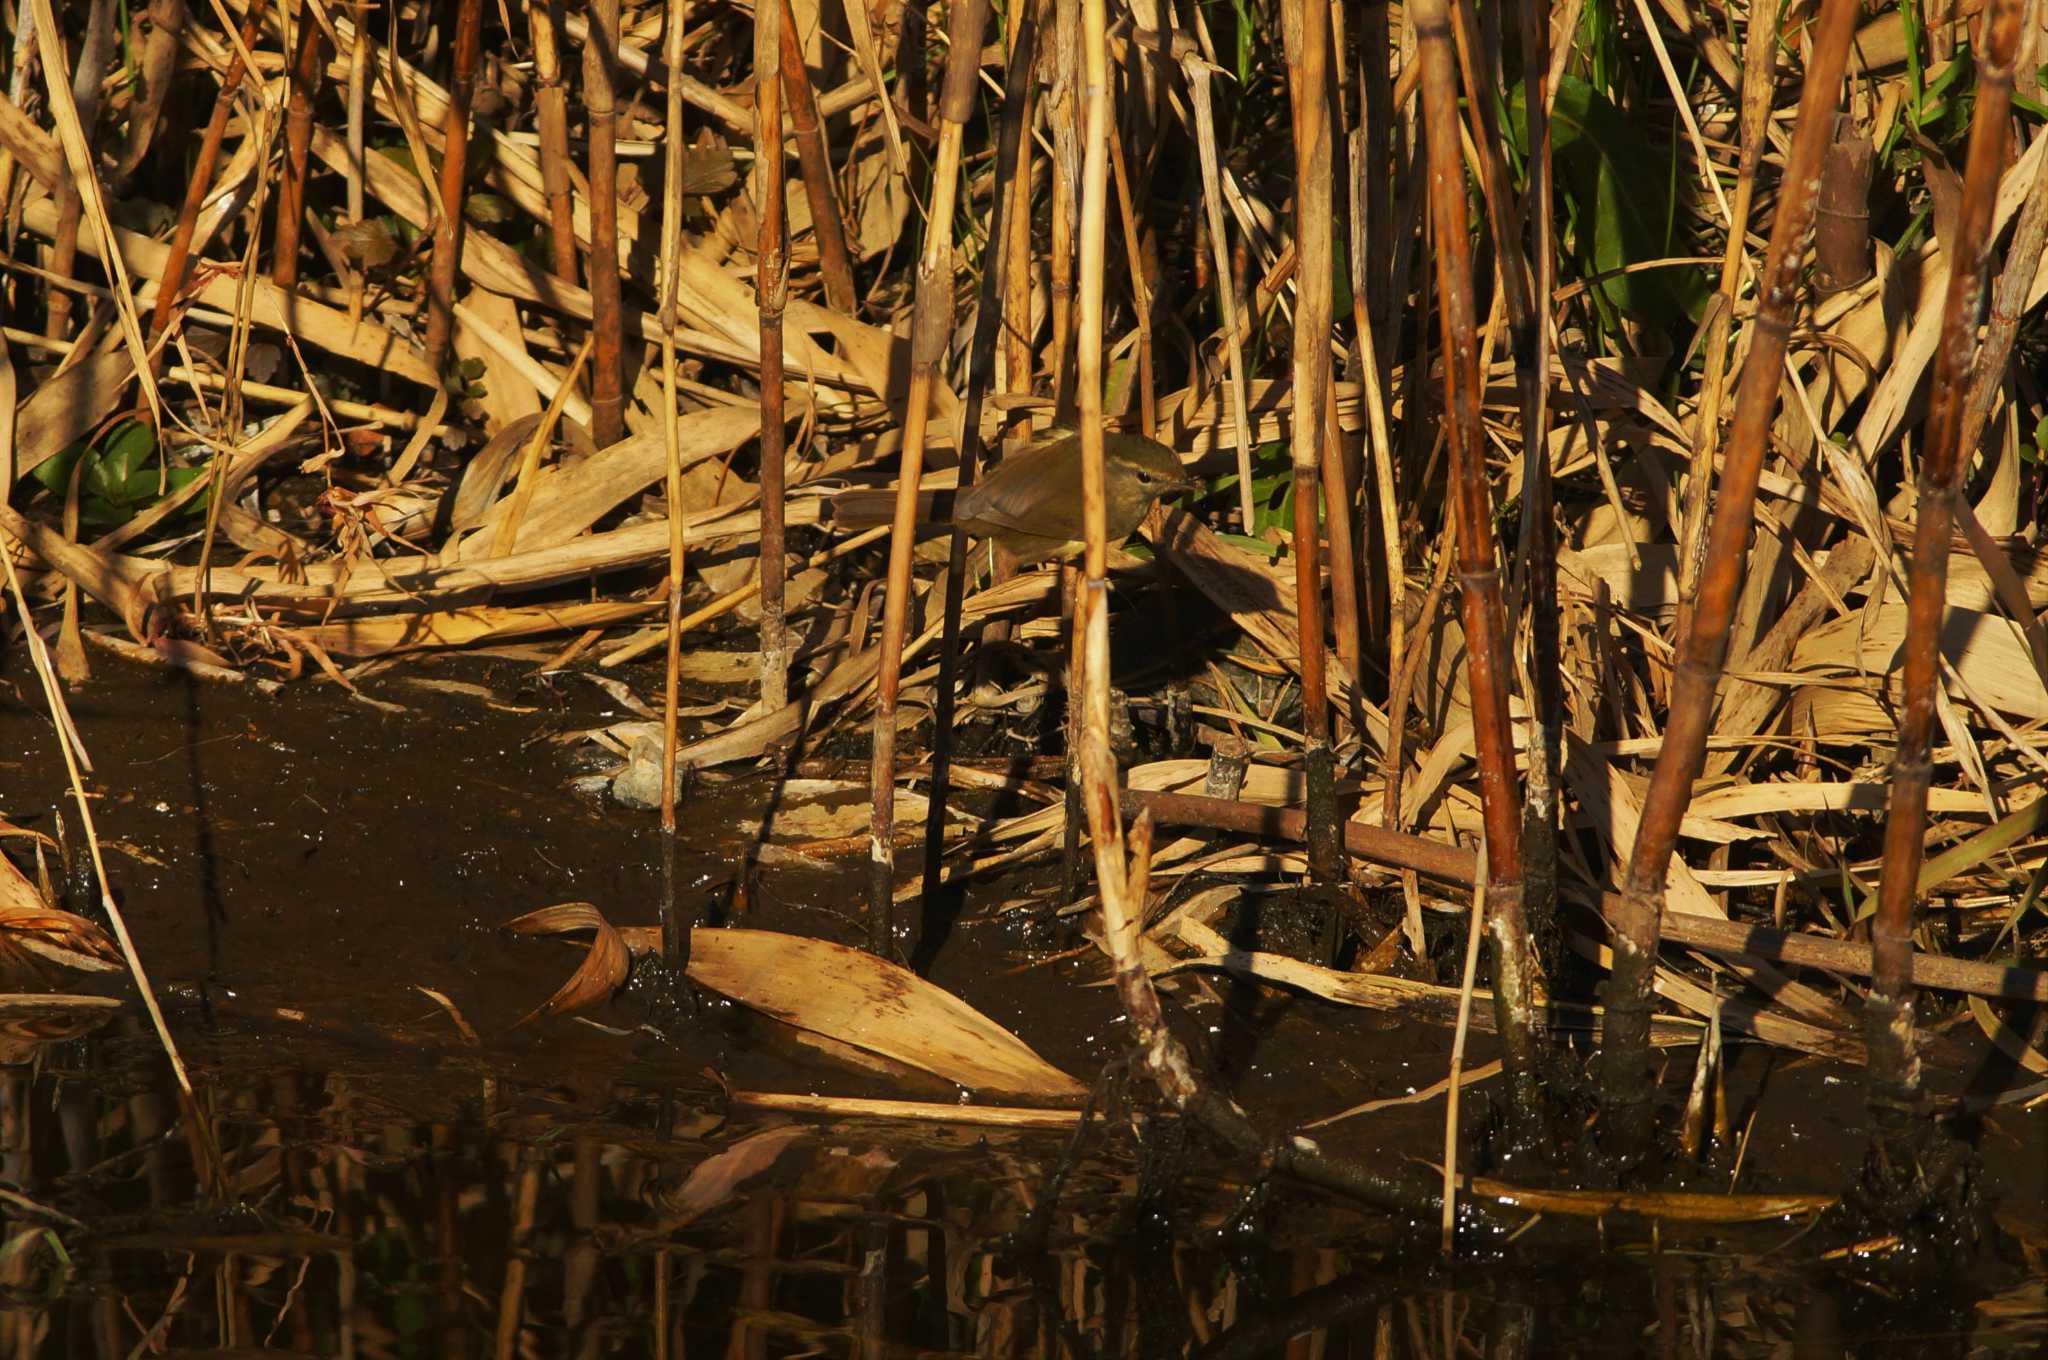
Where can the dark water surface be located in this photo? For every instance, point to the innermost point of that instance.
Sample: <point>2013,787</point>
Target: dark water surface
<point>412,1176</point>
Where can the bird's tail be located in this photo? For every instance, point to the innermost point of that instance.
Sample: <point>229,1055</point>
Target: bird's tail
<point>865,508</point>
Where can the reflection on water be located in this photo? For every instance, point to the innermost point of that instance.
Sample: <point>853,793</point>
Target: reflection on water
<point>668,1224</point>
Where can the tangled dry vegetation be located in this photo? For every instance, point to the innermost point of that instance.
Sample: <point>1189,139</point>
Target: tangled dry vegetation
<point>345,332</point>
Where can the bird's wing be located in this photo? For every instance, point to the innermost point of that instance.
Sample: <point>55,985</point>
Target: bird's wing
<point>1015,496</point>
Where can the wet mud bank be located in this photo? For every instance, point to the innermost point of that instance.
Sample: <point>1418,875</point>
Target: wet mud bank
<point>318,886</point>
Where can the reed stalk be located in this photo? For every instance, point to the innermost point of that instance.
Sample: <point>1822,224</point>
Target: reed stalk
<point>992,320</point>
<point>771,284</point>
<point>1305,31</point>
<point>835,267</point>
<point>1540,810</point>
<point>608,322</point>
<point>448,228</point>
<point>1197,72</point>
<point>551,110</point>
<point>1487,657</point>
<point>93,55</point>
<point>1759,68</point>
<point>675,931</point>
<point>298,142</point>
<point>1626,1093</point>
<point>1894,1067</point>
<point>930,326</point>
<point>1022,86</point>
<point>1123,867</point>
<point>201,181</point>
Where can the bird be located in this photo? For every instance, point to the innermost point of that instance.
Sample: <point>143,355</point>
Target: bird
<point>1031,503</point>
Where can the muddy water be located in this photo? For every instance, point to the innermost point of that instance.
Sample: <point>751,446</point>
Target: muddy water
<point>410,1174</point>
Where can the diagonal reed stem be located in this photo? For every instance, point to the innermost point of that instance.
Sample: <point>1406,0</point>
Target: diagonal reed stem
<point>1702,647</point>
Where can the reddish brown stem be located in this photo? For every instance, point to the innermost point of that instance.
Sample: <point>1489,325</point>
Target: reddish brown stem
<point>834,265</point>
<point>1486,652</point>
<point>298,143</point>
<point>454,175</point>
<point>201,181</point>
<point>1702,647</point>
<point>1894,1069</point>
<point>607,356</point>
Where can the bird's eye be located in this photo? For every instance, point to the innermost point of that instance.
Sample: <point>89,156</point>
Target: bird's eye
<point>1144,476</point>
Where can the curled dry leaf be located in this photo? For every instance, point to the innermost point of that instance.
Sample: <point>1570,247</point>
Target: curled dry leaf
<point>37,939</point>
<point>830,989</point>
<point>719,1177</point>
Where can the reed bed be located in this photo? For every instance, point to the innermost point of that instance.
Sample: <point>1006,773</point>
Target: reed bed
<point>1598,460</point>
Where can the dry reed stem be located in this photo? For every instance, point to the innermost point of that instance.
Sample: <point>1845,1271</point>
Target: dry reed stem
<point>1487,657</point>
<point>930,327</point>
<point>1197,72</point>
<point>1305,28</point>
<point>449,229</point>
<point>1759,67</point>
<point>771,290</point>
<point>1123,870</point>
<point>1454,1083</point>
<point>551,109</point>
<point>1541,806</point>
<point>1894,1067</point>
<point>298,135</point>
<point>834,266</point>
<point>171,282</point>
<point>675,945</point>
<point>1701,649</point>
<point>993,320</point>
<point>607,380</point>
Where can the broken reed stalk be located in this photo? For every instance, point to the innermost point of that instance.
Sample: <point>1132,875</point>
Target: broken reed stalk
<point>551,110</point>
<point>1486,656</point>
<point>1305,30</point>
<point>675,943</point>
<point>298,143</point>
<point>1696,665</point>
<point>607,376</point>
<point>771,292</point>
<point>1540,811</point>
<point>1894,1068</point>
<point>931,324</point>
<point>835,268</point>
<point>200,183</point>
<point>448,230</point>
<point>992,319</point>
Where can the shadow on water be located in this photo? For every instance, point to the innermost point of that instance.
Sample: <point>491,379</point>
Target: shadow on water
<point>414,1176</point>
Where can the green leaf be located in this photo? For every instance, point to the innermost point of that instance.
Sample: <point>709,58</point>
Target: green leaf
<point>130,446</point>
<point>1619,188</point>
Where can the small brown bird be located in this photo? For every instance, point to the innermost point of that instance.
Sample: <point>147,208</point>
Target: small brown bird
<point>1031,503</point>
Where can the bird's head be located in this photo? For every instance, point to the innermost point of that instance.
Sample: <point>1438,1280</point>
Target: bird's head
<point>1148,467</point>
